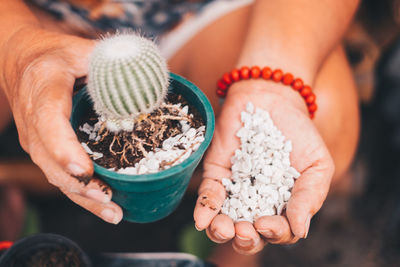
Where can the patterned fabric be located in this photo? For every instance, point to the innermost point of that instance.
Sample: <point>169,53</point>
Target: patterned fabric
<point>150,17</point>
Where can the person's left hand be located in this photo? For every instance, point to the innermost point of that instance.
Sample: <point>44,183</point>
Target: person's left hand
<point>309,156</point>
<point>39,69</point>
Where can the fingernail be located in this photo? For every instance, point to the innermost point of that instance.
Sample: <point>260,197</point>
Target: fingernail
<point>244,241</point>
<point>110,216</point>
<point>219,236</point>
<point>98,195</point>
<point>308,220</point>
<point>198,229</point>
<point>75,169</point>
<point>267,233</point>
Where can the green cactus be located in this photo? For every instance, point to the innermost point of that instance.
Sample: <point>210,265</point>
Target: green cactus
<point>127,77</point>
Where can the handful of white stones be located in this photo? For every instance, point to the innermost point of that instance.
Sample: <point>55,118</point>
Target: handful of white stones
<point>262,177</point>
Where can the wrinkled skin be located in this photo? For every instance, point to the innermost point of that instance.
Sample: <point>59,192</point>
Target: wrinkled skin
<point>309,156</point>
<point>39,83</point>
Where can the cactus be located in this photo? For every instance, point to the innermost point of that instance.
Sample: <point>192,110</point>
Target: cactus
<point>127,77</point>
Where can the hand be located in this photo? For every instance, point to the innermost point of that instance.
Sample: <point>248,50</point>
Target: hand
<point>309,156</point>
<point>39,71</point>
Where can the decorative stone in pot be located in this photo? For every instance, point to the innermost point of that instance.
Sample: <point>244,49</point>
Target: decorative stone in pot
<point>145,129</point>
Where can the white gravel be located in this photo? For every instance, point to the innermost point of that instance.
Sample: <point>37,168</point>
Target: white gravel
<point>95,155</point>
<point>262,177</point>
<point>174,150</point>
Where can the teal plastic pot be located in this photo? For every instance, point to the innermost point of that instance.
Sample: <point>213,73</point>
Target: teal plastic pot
<point>151,197</point>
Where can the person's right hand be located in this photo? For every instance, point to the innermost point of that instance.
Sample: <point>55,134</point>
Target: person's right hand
<point>38,71</point>
<point>310,157</point>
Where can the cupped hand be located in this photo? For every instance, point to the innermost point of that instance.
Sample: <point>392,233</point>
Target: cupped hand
<point>39,71</point>
<point>309,156</point>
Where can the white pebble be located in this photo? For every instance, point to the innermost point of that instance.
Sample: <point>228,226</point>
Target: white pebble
<point>185,109</point>
<point>262,176</point>
<point>153,164</point>
<point>232,213</point>
<point>226,181</point>
<point>97,155</point>
<point>190,133</point>
<point>87,149</point>
<point>288,146</point>
<point>86,128</point>
<point>294,172</point>
<point>196,146</point>
<point>250,107</point>
<point>128,170</point>
<point>142,169</point>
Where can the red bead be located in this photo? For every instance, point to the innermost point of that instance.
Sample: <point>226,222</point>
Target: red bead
<point>227,79</point>
<point>312,108</point>
<point>244,73</point>
<point>221,93</point>
<point>235,75</point>
<point>287,79</point>
<point>310,99</point>
<point>221,85</point>
<point>277,75</point>
<point>266,73</point>
<point>297,84</point>
<point>306,91</point>
<point>5,245</point>
<point>255,72</point>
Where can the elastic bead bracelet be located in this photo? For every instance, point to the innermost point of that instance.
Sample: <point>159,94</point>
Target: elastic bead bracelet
<point>255,72</point>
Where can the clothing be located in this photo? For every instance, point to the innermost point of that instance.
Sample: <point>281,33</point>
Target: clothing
<point>149,17</point>
<point>152,18</point>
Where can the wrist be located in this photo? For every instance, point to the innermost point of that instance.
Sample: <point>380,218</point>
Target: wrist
<point>265,74</point>
<point>24,47</point>
<point>276,91</point>
<point>306,69</point>
<point>13,51</point>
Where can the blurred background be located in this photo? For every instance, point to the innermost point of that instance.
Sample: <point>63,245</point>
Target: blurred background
<point>360,227</point>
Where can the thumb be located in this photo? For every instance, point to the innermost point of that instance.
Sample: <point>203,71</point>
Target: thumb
<point>78,55</point>
<point>216,166</point>
<point>308,195</point>
<point>217,163</point>
<point>50,121</point>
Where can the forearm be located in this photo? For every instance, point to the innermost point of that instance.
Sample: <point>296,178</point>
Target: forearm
<point>17,24</point>
<point>14,14</point>
<point>295,35</point>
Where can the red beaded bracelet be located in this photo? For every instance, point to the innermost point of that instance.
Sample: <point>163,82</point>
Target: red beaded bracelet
<point>266,73</point>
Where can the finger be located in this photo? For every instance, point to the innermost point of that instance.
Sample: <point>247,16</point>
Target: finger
<point>217,162</point>
<point>247,241</point>
<point>217,166</point>
<point>221,229</point>
<point>51,123</point>
<point>96,190</point>
<point>275,229</point>
<point>211,197</point>
<point>109,212</point>
<point>308,194</point>
<point>85,186</point>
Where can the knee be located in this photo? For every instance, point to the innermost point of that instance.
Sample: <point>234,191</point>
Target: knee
<point>338,116</point>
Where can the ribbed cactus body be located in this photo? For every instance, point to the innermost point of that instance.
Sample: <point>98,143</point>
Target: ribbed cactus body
<point>127,76</point>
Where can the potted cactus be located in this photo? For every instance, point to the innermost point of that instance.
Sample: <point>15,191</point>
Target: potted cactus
<point>145,129</point>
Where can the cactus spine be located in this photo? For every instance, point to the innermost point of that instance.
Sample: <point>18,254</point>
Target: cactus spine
<point>127,77</point>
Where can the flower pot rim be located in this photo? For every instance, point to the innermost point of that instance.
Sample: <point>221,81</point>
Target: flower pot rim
<point>33,241</point>
<point>151,177</point>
